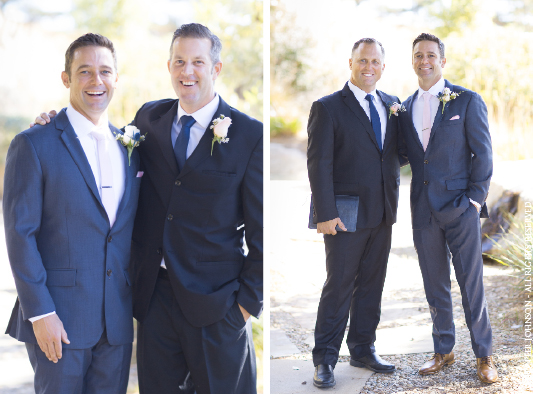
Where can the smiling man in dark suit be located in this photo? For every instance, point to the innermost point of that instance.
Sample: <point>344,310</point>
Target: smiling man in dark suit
<point>195,288</point>
<point>446,132</point>
<point>70,198</point>
<point>352,150</point>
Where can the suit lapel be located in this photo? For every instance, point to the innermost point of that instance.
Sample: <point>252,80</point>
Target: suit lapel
<point>76,151</point>
<point>129,172</point>
<point>409,106</point>
<point>162,129</point>
<point>359,112</point>
<point>203,150</point>
<point>439,116</point>
<point>387,101</point>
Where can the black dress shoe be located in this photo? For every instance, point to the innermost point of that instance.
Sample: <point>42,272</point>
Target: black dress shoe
<point>324,376</point>
<point>373,362</point>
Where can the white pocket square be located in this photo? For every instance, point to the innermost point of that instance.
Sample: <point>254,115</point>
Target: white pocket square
<point>455,117</point>
<point>140,174</point>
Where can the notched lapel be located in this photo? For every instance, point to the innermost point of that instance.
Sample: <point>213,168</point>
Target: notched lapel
<point>130,171</point>
<point>439,116</point>
<point>203,150</point>
<point>76,151</point>
<point>162,129</point>
<point>359,112</point>
<point>386,100</point>
<point>409,106</point>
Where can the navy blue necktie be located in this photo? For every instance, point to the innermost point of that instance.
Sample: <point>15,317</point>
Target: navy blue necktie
<point>374,118</point>
<point>180,147</point>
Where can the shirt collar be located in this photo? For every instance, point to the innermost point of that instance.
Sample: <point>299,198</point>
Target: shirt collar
<point>434,90</point>
<point>83,126</point>
<point>204,115</point>
<point>359,93</point>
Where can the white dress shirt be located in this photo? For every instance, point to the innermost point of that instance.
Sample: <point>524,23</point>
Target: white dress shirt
<point>380,106</point>
<point>83,127</point>
<point>418,106</point>
<point>203,119</point>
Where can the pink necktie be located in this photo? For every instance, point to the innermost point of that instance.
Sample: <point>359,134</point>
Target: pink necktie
<point>426,121</point>
<point>107,193</point>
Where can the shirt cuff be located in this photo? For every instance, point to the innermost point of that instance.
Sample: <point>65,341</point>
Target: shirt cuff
<point>34,319</point>
<point>476,204</point>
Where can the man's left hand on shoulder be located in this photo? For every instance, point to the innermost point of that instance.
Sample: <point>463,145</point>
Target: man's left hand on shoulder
<point>245,313</point>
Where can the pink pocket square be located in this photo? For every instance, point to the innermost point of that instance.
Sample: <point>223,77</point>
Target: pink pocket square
<point>140,174</point>
<point>455,117</point>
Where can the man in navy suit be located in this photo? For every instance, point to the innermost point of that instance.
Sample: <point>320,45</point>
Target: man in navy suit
<point>195,288</point>
<point>352,150</point>
<point>70,198</point>
<point>446,132</point>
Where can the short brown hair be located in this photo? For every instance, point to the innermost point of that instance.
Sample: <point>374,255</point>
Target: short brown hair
<point>430,37</point>
<point>89,39</point>
<point>368,41</point>
<point>196,30</point>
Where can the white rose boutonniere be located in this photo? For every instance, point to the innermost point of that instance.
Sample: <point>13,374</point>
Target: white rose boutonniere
<point>130,139</point>
<point>395,108</point>
<point>446,96</point>
<point>220,128</point>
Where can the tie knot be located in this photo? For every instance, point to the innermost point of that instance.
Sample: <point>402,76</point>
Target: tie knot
<point>187,121</point>
<point>369,97</point>
<point>426,96</point>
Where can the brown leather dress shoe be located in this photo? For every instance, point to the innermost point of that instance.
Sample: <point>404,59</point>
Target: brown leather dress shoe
<point>486,371</point>
<point>436,363</point>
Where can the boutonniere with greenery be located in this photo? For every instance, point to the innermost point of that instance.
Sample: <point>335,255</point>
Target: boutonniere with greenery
<point>446,96</point>
<point>130,139</point>
<point>220,128</point>
<point>395,108</point>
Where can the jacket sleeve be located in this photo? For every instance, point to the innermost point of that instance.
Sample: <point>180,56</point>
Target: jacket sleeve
<point>479,141</point>
<point>250,295</point>
<point>320,148</point>
<point>22,205</point>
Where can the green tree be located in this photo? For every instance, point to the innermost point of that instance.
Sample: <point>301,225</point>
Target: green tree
<point>290,51</point>
<point>518,13</point>
<point>239,25</point>
<point>452,16</point>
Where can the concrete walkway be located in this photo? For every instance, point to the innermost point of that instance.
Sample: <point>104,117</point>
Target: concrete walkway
<point>297,276</point>
<point>298,273</point>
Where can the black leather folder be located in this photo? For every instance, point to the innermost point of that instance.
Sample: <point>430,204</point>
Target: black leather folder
<point>347,207</point>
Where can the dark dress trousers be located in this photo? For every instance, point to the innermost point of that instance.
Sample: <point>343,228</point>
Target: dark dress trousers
<point>197,219</point>
<point>66,258</point>
<point>456,166</point>
<point>343,158</point>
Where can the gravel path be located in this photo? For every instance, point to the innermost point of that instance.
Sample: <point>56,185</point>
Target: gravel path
<point>506,307</point>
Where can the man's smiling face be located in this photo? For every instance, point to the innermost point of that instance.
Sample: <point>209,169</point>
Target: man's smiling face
<point>367,66</point>
<point>92,81</point>
<point>428,63</point>
<point>193,73</point>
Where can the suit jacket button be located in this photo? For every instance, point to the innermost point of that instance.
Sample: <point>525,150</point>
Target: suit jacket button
<point>159,251</point>
<point>426,162</point>
<point>426,182</point>
<point>109,239</point>
<point>109,272</point>
<point>177,182</point>
<point>170,217</point>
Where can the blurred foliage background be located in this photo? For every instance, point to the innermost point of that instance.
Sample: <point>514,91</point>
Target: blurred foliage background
<point>34,36</point>
<point>488,49</point>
